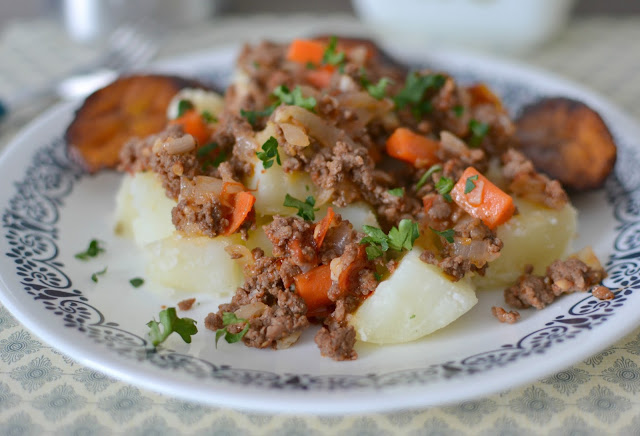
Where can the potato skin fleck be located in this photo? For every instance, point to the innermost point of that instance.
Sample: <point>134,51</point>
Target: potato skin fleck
<point>567,140</point>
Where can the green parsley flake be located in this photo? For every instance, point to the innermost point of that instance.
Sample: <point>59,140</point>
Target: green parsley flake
<point>205,150</point>
<point>305,208</point>
<point>377,90</point>
<point>458,110</point>
<point>183,107</point>
<point>136,282</point>
<point>208,117</point>
<point>294,98</point>
<point>469,185</point>
<point>310,66</point>
<point>269,153</point>
<point>230,318</point>
<point>377,276</point>
<point>415,90</point>
<point>220,157</point>
<point>412,316</point>
<point>92,251</point>
<point>331,54</point>
<point>400,238</point>
<point>397,192</point>
<point>478,132</point>
<point>252,116</point>
<point>94,276</point>
<point>444,186</point>
<point>425,177</point>
<point>446,234</point>
<point>185,327</point>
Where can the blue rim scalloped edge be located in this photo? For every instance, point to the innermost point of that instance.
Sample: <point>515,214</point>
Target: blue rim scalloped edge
<point>31,218</point>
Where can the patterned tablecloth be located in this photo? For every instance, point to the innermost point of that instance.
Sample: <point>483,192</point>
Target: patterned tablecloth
<point>45,392</point>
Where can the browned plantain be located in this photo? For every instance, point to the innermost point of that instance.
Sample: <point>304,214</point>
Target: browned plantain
<point>131,106</point>
<point>567,140</point>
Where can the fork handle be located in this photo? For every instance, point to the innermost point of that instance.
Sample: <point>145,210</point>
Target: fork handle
<point>4,111</point>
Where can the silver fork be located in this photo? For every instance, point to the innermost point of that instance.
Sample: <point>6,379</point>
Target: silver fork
<point>126,48</point>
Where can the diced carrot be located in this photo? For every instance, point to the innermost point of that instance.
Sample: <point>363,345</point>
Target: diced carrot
<point>313,286</point>
<point>306,50</point>
<point>485,201</point>
<point>480,93</point>
<point>320,77</point>
<point>193,124</point>
<point>350,272</point>
<point>323,227</point>
<point>242,206</point>
<point>410,147</point>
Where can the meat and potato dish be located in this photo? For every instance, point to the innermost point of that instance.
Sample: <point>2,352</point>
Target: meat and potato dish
<point>332,186</point>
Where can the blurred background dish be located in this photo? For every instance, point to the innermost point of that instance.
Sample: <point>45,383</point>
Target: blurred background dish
<point>497,25</point>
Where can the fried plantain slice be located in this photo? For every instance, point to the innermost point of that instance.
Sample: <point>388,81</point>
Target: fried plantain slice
<point>131,106</point>
<point>567,140</point>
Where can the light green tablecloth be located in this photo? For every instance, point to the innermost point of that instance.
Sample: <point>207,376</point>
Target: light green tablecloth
<point>43,391</point>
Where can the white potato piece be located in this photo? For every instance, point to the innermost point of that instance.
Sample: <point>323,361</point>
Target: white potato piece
<point>536,236</point>
<point>416,300</point>
<point>202,100</point>
<point>358,214</point>
<point>194,264</point>
<point>272,185</point>
<point>143,211</point>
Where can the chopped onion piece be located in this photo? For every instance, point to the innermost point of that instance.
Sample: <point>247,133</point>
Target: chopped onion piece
<point>295,135</point>
<point>284,343</point>
<point>251,310</point>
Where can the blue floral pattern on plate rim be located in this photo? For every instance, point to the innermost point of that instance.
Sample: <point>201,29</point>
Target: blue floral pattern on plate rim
<point>30,228</point>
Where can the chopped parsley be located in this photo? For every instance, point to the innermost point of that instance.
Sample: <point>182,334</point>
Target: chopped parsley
<point>399,238</point>
<point>331,54</point>
<point>269,153</point>
<point>252,116</point>
<point>294,98</point>
<point>478,132</point>
<point>458,110</point>
<point>414,92</point>
<point>220,157</point>
<point>377,276</point>
<point>206,150</point>
<point>376,90</point>
<point>412,316</point>
<point>230,318</point>
<point>310,66</point>
<point>305,208</point>
<point>469,184</point>
<point>183,107</point>
<point>208,117</point>
<point>185,327</point>
<point>397,192</point>
<point>94,276</point>
<point>446,234</point>
<point>444,186</point>
<point>92,251</point>
<point>425,177</point>
<point>136,282</point>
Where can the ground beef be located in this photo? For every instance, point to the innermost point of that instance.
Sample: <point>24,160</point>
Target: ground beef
<point>562,277</point>
<point>186,304</point>
<point>292,237</point>
<point>284,314</point>
<point>526,182</point>
<point>474,246</point>
<point>337,342</point>
<point>194,218</point>
<point>603,293</point>
<point>509,317</point>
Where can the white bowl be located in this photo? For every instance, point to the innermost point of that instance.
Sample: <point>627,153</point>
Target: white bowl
<point>497,25</point>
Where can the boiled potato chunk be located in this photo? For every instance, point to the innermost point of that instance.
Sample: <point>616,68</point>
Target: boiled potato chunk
<point>143,211</point>
<point>194,264</point>
<point>536,236</point>
<point>416,300</point>
<point>273,184</point>
<point>358,214</point>
<point>202,100</point>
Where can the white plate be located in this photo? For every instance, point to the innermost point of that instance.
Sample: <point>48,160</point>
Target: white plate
<point>51,209</point>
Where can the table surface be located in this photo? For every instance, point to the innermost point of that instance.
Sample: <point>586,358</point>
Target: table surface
<point>597,396</point>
